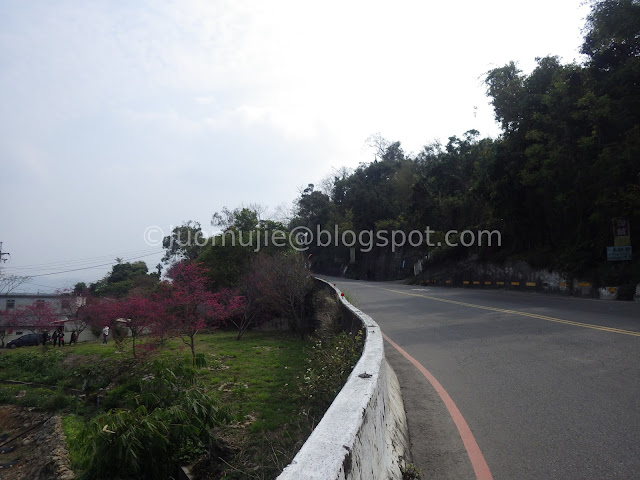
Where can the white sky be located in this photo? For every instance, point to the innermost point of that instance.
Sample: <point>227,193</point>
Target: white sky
<point>120,115</point>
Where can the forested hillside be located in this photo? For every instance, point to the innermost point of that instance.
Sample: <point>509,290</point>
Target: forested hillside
<point>566,164</point>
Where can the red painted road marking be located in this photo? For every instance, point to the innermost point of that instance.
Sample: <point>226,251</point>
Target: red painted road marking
<point>478,462</point>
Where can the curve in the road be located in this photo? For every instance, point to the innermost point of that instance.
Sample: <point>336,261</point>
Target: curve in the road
<point>548,384</point>
<point>476,458</point>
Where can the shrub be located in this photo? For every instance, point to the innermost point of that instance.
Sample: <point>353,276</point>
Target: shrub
<point>39,398</point>
<point>72,425</point>
<point>90,376</point>
<point>327,314</point>
<point>410,472</point>
<point>119,335</point>
<point>57,401</point>
<point>167,422</point>
<point>329,365</point>
<point>96,330</point>
<point>121,395</point>
<point>33,366</point>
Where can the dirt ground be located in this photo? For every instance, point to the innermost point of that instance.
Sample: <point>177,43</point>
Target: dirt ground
<point>38,452</point>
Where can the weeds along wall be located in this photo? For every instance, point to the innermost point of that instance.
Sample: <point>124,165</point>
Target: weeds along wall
<point>348,321</point>
<point>363,434</point>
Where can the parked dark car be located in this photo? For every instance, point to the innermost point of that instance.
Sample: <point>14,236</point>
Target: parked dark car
<point>25,341</point>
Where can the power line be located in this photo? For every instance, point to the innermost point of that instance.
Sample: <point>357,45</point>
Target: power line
<point>48,287</point>
<point>76,263</point>
<point>90,267</point>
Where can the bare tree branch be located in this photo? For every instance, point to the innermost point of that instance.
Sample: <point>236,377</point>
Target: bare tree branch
<point>8,282</point>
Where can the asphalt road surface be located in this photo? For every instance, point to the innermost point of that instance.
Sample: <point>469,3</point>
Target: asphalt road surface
<point>548,385</point>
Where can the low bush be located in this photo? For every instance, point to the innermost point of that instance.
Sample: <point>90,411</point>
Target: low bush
<point>168,421</point>
<point>329,365</point>
<point>41,399</point>
<point>33,366</point>
<point>73,425</point>
<point>327,315</point>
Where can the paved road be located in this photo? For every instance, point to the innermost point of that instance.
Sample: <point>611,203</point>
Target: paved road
<point>549,386</point>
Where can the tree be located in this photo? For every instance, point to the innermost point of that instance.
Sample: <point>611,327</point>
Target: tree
<point>98,312</point>
<point>80,288</point>
<point>314,208</point>
<point>4,323</point>
<point>379,144</point>
<point>136,313</point>
<point>123,278</point>
<point>284,282</point>
<point>611,37</point>
<point>35,317</point>
<point>226,260</point>
<point>565,165</point>
<point>371,193</point>
<point>184,243</point>
<point>504,86</point>
<point>228,255</point>
<point>190,306</point>
<point>71,305</point>
<point>241,220</point>
<point>253,306</point>
<point>9,282</point>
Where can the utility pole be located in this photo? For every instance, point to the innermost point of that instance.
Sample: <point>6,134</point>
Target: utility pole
<point>3,254</point>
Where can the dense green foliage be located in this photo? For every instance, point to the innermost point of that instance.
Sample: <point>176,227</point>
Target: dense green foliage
<point>45,368</point>
<point>161,402</point>
<point>252,259</point>
<point>169,418</point>
<point>124,277</point>
<point>566,164</point>
<point>41,399</point>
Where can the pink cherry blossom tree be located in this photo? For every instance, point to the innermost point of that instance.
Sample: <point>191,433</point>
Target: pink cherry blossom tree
<point>137,313</point>
<point>190,306</point>
<point>36,317</point>
<point>99,312</point>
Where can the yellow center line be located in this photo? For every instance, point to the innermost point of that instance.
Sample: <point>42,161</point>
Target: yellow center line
<point>523,314</point>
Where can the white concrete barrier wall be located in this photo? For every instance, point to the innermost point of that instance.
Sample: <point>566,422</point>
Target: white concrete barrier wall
<point>363,434</point>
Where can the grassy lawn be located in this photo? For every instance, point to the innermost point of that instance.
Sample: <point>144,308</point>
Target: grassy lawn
<point>257,374</point>
<point>257,378</point>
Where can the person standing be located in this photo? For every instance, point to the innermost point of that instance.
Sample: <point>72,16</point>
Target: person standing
<point>54,337</point>
<point>105,334</point>
<point>74,338</point>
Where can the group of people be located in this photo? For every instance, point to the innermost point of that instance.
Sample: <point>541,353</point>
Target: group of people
<point>58,338</point>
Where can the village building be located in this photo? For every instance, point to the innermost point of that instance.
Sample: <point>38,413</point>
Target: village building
<point>64,318</point>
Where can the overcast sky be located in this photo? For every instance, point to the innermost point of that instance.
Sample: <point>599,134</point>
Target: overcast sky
<point>116,116</point>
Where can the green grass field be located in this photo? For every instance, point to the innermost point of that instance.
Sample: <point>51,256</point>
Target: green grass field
<point>257,378</point>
